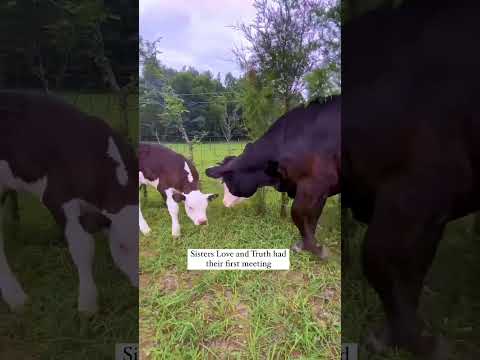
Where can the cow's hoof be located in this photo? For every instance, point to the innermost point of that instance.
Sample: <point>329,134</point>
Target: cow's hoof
<point>379,341</point>
<point>324,253</point>
<point>87,313</point>
<point>176,236</point>
<point>431,348</point>
<point>434,348</point>
<point>145,230</point>
<point>298,246</point>
<point>88,307</point>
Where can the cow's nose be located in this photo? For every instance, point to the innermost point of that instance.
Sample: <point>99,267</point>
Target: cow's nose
<point>202,222</point>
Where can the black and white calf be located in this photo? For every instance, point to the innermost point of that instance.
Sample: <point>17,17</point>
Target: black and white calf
<point>177,180</point>
<point>82,171</point>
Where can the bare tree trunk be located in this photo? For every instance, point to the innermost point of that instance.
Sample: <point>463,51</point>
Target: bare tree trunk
<point>189,143</point>
<point>105,66</point>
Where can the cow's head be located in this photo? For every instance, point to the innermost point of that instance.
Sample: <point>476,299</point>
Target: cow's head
<point>196,204</point>
<point>243,175</point>
<point>230,200</point>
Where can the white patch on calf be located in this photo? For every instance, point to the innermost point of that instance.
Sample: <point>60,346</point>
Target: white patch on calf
<point>189,172</point>
<point>120,170</point>
<point>143,180</point>
<point>82,248</point>
<point>173,211</point>
<point>9,181</point>
<point>144,228</point>
<point>196,204</point>
<point>123,236</point>
<point>230,200</point>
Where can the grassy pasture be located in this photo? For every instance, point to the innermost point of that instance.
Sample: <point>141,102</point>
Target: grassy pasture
<point>50,327</point>
<point>236,314</point>
<point>450,302</point>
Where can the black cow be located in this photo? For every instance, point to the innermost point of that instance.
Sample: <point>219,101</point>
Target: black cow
<point>299,155</point>
<point>410,153</point>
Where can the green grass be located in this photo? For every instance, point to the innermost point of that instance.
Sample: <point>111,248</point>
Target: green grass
<point>450,303</point>
<point>106,107</point>
<point>236,314</point>
<point>50,328</point>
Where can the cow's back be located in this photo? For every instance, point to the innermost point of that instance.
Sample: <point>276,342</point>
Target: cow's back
<point>158,162</point>
<point>41,135</point>
<point>411,110</point>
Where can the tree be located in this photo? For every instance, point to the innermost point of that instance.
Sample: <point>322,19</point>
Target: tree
<point>320,84</point>
<point>260,109</point>
<point>325,79</point>
<point>152,84</point>
<point>173,114</point>
<point>284,45</point>
<point>230,121</point>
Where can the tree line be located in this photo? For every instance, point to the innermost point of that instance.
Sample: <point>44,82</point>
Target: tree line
<point>293,55</point>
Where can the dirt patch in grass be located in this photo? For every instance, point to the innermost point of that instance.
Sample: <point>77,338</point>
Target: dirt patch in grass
<point>331,294</point>
<point>169,282</point>
<point>190,279</point>
<point>147,343</point>
<point>145,281</point>
<point>222,349</point>
<point>147,252</point>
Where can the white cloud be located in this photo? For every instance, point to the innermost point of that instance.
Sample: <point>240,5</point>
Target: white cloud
<point>196,33</point>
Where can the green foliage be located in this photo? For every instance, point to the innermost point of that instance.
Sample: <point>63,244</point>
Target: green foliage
<point>260,108</point>
<point>288,39</point>
<point>319,83</point>
<point>52,44</point>
<point>173,109</point>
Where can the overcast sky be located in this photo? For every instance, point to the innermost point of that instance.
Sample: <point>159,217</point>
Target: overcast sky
<point>196,32</point>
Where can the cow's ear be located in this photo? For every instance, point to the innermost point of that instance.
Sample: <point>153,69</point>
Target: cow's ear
<point>93,222</point>
<point>178,197</point>
<point>214,172</point>
<point>211,197</point>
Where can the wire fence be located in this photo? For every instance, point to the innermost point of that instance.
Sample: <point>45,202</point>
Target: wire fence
<point>208,152</point>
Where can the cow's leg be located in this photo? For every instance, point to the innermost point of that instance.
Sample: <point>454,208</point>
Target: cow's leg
<point>306,209</point>
<point>398,250</point>
<point>11,289</point>
<point>82,249</point>
<point>173,209</point>
<point>144,228</point>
